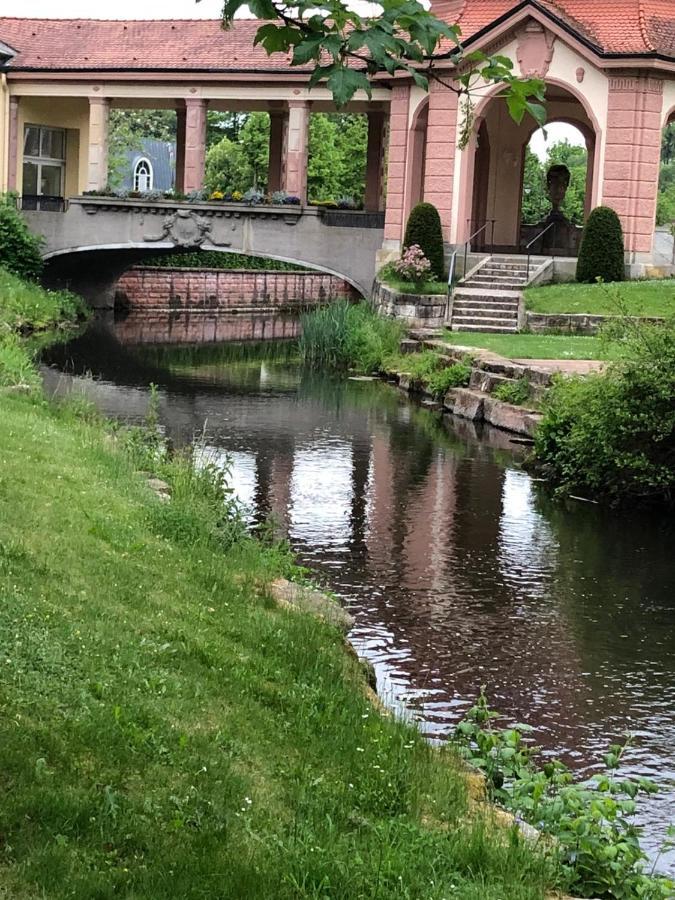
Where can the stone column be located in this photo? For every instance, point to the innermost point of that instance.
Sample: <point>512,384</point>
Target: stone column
<point>440,152</point>
<point>374,161</point>
<point>180,148</point>
<point>396,165</point>
<point>97,158</point>
<point>297,149</point>
<point>632,154</point>
<point>13,148</point>
<point>276,150</point>
<point>195,144</point>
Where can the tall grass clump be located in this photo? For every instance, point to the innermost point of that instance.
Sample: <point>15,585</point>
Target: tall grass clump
<point>348,336</point>
<point>25,306</point>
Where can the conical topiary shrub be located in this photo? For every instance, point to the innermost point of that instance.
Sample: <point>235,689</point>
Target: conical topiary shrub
<point>602,253</point>
<point>424,229</point>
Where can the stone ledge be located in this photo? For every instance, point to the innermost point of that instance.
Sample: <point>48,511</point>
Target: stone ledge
<point>480,407</point>
<point>576,323</point>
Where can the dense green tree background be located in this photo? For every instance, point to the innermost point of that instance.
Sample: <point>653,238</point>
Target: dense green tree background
<point>536,204</point>
<point>238,147</point>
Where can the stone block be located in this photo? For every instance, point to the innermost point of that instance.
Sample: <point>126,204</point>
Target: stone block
<point>465,403</point>
<point>517,419</point>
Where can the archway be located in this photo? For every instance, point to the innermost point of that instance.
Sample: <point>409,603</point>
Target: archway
<point>494,167</point>
<point>559,144</point>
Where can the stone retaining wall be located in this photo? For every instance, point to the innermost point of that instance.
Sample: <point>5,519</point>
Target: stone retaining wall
<point>418,310</point>
<point>572,323</point>
<point>148,287</point>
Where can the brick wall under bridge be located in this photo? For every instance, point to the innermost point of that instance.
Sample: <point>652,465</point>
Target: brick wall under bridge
<point>154,287</point>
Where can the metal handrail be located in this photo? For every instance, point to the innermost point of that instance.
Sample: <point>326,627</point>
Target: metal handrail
<point>467,244</point>
<point>534,240</point>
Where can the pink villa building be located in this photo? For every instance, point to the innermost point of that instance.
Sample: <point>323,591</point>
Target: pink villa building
<point>609,69</point>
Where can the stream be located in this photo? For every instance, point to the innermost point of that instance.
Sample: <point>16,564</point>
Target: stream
<point>458,567</point>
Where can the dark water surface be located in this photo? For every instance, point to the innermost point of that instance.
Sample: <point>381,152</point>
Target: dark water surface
<point>458,568</point>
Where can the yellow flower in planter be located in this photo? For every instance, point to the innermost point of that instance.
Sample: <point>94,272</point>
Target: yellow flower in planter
<point>237,195</point>
<point>216,195</point>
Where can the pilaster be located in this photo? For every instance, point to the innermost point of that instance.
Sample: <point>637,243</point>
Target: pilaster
<point>13,145</point>
<point>297,149</point>
<point>441,148</point>
<point>396,165</point>
<point>373,201</point>
<point>276,150</point>
<point>195,144</point>
<point>97,157</point>
<point>632,156</point>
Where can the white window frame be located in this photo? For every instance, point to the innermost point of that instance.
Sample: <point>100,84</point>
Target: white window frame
<point>53,161</point>
<point>149,175</point>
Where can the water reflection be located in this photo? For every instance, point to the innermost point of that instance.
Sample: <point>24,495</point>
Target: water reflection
<point>458,569</point>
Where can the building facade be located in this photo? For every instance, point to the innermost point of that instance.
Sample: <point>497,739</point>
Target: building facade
<point>609,69</point>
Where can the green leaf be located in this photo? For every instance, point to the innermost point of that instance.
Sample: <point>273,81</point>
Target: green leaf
<point>277,38</point>
<point>343,83</point>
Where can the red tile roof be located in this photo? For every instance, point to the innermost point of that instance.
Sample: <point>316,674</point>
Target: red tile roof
<point>612,26</point>
<point>171,44</point>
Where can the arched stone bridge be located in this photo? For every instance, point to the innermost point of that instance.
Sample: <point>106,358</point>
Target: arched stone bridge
<point>88,246</point>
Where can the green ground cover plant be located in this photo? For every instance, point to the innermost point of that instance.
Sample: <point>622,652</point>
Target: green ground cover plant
<point>430,369</point>
<point>638,298</point>
<point>515,392</point>
<point>534,346</point>
<point>345,335</point>
<point>611,435</point>
<point>591,825</point>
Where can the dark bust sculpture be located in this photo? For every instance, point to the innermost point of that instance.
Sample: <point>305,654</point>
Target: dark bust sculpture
<point>557,182</point>
<point>562,236</point>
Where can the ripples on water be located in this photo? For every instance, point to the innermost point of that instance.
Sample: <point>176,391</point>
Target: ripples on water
<point>458,569</point>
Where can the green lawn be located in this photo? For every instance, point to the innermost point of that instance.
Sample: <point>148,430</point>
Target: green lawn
<point>532,346</point>
<point>636,298</point>
<point>168,732</point>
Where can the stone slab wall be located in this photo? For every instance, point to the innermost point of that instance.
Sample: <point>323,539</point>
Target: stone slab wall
<point>417,310</point>
<point>148,287</point>
<point>571,323</point>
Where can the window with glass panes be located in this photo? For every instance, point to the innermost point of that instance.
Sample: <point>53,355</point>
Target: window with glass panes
<point>44,160</point>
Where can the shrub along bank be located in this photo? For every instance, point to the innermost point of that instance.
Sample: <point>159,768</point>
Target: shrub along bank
<point>612,435</point>
<point>167,730</point>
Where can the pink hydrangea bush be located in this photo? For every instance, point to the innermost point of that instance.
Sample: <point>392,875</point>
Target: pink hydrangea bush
<point>413,265</point>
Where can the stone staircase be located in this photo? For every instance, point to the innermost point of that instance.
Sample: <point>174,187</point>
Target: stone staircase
<point>488,298</point>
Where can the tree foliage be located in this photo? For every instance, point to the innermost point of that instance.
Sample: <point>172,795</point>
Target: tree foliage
<point>601,255</point>
<point>424,230</point>
<point>19,248</point>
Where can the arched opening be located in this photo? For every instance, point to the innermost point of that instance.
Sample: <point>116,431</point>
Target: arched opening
<point>664,245</point>
<point>143,175</point>
<point>499,175</point>
<point>556,159</point>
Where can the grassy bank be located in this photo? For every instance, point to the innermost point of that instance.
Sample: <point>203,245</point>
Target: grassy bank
<point>632,298</point>
<point>26,308</point>
<point>169,731</point>
<point>533,346</point>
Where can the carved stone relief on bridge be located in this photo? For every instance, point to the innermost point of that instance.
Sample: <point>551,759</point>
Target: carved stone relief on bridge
<point>186,229</point>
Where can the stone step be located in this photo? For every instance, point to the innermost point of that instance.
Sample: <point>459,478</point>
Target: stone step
<point>484,312</point>
<point>487,329</point>
<point>485,320</point>
<point>485,302</point>
<point>487,381</point>
<point>498,276</point>
<point>481,294</point>
<point>492,267</point>
<point>490,285</point>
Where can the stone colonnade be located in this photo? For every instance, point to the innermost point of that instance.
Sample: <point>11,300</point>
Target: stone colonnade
<point>288,145</point>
